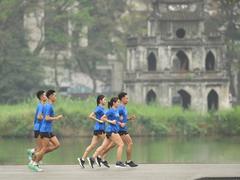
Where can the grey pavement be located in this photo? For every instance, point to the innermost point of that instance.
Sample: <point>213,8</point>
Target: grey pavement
<point>143,172</point>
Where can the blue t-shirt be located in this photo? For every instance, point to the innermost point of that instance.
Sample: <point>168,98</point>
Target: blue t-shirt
<point>99,112</point>
<point>112,114</point>
<point>123,112</point>
<point>47,125</point>
<point>39,110</point>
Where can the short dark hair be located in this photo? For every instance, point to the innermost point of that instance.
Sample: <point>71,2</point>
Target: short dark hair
<point>50,92</point>
<point>99,98</point>
<point>110,103</point>
<point>39,94</point>
<point>121,95</point>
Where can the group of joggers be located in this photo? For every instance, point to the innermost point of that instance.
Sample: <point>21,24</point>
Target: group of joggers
<point>110,128</point>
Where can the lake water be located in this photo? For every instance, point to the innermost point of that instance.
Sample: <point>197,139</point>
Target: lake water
<point>146,150</point>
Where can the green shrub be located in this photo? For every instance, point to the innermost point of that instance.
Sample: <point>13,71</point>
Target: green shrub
<point>17,120</point>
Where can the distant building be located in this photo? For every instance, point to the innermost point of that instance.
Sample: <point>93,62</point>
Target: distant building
<point>58,71</point>
<point>178,62</point>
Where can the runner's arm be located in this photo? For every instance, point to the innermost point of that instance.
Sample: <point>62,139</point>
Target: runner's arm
<point>40,117</point>
<point>49,118</point>
<point>132,117</point>
<point>92,116</point>
<point>104,118</point>
<point>122,124</point>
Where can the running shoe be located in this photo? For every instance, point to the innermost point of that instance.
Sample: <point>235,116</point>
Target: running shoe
<point>81,162</point>
<point>105,163</point>
<point>131,164</point>
<point>36,168</point>
<point>120,164</point>
<point>98,161</point>
<point>91,161</point>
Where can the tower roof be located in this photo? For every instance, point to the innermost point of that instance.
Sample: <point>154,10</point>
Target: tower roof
<point>177,1</point>
<point>179,16</point>
<point>178,10</point>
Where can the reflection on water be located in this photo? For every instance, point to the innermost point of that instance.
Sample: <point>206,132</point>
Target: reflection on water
<point>146,150</point>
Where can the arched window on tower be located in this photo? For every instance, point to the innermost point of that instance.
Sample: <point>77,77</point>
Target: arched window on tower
<point>210,62</point>
<point>212,100</point>
<point>152,62</point>
<point>181,62</point>
<point>185,99</point>
<point>151,97</point>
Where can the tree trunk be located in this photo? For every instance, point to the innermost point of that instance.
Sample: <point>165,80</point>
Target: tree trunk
<point>55,69</point>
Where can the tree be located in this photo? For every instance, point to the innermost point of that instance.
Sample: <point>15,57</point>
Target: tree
<point>20,71</point>
<point>60,26</point>
<point>108,27</point>
<point>112,22</point>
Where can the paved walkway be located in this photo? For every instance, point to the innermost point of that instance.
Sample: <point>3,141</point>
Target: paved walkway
<point>143,172</point>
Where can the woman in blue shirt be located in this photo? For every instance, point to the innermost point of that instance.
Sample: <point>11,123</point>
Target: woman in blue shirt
<point>99,128</point>
<point>112,117</point>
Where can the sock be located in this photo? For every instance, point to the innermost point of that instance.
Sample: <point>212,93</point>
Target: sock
<point>128,161</point>
<point>83,159</point>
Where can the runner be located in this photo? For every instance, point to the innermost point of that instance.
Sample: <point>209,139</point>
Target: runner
<point>98,133</point>
<point>123,130</point>
<point>37,124</point>
<point>112,117</point>
<point>49,140</point>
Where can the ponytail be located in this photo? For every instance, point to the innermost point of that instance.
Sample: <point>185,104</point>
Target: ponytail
<point>113,100</point>
<point>99,98</point>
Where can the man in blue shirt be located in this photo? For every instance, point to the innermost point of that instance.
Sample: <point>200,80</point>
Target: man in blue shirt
<point>46,131</point>
<point>37,123</point>
<point>124,118</point>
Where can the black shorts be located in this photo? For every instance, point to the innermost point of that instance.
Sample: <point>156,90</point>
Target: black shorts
<point>98,132</point>
<point>46,135</point>
<point>109,134</point>
<point>122,133</point>
<point>36,134</point>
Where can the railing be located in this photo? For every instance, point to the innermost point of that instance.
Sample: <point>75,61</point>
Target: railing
<point>143,40</point>
<point>172,41</point>
<point>189,75</point>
